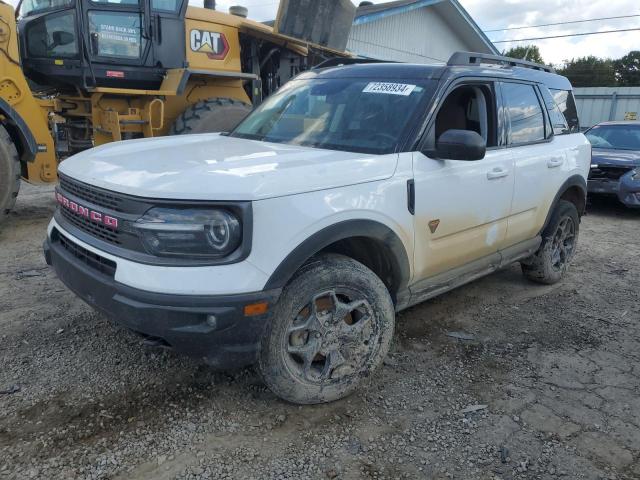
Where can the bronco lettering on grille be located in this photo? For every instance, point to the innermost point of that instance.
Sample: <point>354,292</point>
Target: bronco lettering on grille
<point>92,215</point>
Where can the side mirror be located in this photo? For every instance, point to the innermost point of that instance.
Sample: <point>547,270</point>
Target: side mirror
<point>461,145</point>
<point>60,38</point>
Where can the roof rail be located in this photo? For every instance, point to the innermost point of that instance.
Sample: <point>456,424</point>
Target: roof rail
<point>340,61</point>
<point>471,58</point>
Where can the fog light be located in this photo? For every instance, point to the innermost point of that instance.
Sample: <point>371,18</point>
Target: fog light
<point>212,321</point>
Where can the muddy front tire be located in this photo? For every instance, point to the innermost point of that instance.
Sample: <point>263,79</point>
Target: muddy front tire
<point>9,174</point>
<point>331,330</point>
<point>559,242</point>
<point>211,115</point>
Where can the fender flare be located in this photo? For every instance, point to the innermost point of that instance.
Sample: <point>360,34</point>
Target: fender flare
<point>340,231</point>
<point>26,139</point>
<point>573,181</point>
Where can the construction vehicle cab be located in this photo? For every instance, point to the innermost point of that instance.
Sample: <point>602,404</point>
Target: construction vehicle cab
<point>86,43</point>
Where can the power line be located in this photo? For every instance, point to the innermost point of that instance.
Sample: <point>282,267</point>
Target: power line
<point>561,23</point>
<point>564,36</point>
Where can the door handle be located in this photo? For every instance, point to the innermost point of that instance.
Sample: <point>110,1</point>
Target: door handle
<point>497,173</point>
<point>555,162</point>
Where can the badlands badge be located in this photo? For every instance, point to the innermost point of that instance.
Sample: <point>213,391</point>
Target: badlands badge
<point>214,44</point>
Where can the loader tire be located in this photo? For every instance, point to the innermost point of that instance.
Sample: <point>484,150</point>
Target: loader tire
<point>9,174</point>
<point>211,115</point>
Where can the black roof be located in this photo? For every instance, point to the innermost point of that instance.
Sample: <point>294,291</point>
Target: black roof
<point>398,71</point>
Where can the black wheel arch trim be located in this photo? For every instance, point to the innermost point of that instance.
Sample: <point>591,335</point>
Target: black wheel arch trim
<point>27,140</point>
<point>573,181</point>
<point>370,229</point>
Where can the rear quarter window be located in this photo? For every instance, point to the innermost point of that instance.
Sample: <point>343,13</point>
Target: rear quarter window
<point>567,105</point>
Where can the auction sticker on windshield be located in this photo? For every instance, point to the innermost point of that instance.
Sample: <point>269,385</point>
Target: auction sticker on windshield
<point>389,88</point>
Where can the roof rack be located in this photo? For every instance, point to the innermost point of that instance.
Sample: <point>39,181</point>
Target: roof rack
<point>338,62</point>
<point>470,58</point>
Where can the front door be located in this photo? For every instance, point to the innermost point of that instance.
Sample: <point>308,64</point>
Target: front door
<point>462,207</point>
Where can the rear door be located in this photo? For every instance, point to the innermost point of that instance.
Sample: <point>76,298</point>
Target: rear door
<point>540,159</point>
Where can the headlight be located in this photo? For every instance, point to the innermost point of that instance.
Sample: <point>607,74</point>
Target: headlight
<point>189,232</point>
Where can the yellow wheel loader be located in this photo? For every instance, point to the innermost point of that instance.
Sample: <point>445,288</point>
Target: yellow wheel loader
<point>80,73</point>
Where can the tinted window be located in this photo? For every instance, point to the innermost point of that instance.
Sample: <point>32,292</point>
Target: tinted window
<point>355,115</point>
<point>166,5</point>
<point>117,2</point>
<point>32,6</point>
<point>567,105</point>
<point>52,36</point>
<point>115,34</point>
<point>525,113</point>
<point>623,137</point>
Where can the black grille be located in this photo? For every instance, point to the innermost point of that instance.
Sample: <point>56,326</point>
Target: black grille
<point>95,229</point>
<point>608,173</point>
<point>90,194</point>
<point>93,260</point>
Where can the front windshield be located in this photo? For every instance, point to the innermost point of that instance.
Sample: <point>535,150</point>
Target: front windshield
<point>354,115</point>
<point>33,6</point>
<point>622,137</point>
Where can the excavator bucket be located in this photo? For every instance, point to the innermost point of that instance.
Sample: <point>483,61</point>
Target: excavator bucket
<point>322,23</point>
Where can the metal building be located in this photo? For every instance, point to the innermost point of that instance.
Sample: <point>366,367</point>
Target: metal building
<point>600,104</point>
<point>418,31</point>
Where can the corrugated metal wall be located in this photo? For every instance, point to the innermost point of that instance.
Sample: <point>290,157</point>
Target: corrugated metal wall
<point>419,36</point>
<point>600,104</point>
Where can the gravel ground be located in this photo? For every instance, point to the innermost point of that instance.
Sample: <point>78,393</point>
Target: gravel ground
<point>544,384</point>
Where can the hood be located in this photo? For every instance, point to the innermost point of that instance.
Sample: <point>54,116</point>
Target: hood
<point>619,158</point>
<point>215,167</point>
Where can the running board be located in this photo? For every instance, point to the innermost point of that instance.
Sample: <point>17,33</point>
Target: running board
<point>444,282</point>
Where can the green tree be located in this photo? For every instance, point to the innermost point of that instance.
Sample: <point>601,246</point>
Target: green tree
<point>627,69</point>
<point>525,52</point>
<point>590,72</point>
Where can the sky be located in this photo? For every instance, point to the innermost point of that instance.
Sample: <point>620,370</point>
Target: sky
<point>494,14</point>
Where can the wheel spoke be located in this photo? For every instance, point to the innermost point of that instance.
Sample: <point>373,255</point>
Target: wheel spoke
<point>334,360</point>
<point>355,333</point>
<point>310,325</point>
<point>307,354</point>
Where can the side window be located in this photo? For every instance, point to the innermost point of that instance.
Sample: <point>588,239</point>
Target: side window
<point>559,125</point>
<point>567,105</point>
<point>524,112</point>
<point>52,36</point>
<point>165,5</point>
<point>467,107</point>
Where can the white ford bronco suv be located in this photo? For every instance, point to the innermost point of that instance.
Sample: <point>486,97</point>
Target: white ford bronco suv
<point>354,192</point>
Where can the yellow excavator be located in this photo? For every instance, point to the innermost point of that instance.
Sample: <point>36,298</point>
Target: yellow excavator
<point>80,73</point>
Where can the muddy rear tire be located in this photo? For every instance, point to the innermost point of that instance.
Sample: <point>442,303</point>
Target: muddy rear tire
<point>9,174</point>
<point>211,115</point>
<point>559,241</point>
<point>331,329</point>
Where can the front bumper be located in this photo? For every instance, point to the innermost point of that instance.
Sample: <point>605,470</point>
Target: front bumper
<point>627,188</point>
<point>182,322</point>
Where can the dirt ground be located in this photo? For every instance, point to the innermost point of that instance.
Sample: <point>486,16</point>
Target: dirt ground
<point>549,376</point>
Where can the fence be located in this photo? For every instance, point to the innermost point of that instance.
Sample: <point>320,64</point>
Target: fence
<point>601,104</point>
